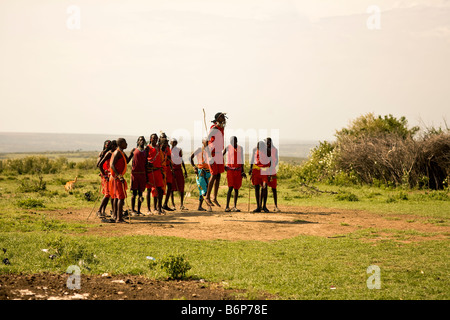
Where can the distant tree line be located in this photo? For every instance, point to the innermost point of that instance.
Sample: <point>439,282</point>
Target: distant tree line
<point>376,150</point>
<point>42,165</point>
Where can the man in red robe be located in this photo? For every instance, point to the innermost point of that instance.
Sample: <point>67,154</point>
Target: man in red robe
<point>259,164</point>
<point>178,177</point>
<point>104,164</point>
<point>119,163</point>
<point>235,171</point>
<point>104,174</point>
<point>272,153</point>
<point>167,166</point>
<point>215,156</point>
<point>155,175</point>
<point>138,174</point>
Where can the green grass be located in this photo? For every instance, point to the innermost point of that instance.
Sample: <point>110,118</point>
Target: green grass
<point>433,204</point>
<point>303,267</point>
<point>300,268</point>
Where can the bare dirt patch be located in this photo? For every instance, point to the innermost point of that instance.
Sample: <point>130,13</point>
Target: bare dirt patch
<point>48,286</point>
<point>291,222</point>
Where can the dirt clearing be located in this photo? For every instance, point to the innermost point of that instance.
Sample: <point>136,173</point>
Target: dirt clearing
<point>47,286</point>
<point>291,222</point>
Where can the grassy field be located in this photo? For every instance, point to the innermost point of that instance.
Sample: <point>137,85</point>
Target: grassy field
<point>303,267</point>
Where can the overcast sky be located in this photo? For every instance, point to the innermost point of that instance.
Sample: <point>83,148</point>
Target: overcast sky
<point>305,68</point>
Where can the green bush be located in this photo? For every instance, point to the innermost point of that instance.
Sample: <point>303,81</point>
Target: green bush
<point>88,164</point>
<point>32,186</point>
<point>347,196</point>
<point>287,170</point>
<point>342,178</point>
<point>370,124</point>
<point>321,164</point>
<point>434,195</point>
<point>402,195</point>
<point>69,252</point>
<point>30,203</point>
<point>175,266</point>
<point>390,199</point>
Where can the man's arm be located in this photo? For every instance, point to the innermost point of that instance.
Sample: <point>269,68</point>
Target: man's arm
<point>243,164</point>
<point>182,163</point>
<point>191,159</point>
<point>99,158</point>
<point>102,161</point>
<point>130,156</point>
<point>277,159</point>
<point>252,160</point>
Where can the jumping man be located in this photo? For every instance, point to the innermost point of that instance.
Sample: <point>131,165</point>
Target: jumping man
<point>215,156</point>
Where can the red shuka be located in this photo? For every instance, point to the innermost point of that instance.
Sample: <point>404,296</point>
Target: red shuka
<point>138,178</point>
<point>119,187</point>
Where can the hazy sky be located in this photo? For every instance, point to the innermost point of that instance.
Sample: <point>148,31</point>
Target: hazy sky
<point>305,68</point>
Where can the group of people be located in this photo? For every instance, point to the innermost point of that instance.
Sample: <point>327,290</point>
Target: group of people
<point>158,167</point>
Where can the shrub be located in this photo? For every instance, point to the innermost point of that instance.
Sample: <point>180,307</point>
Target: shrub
<point>342,178</point>
<point>175,266</point>
<point>320,165</point>
<point>433,160</point>
<point>30,203</point>
<point>66,252</point>
<point>386,158</point>
<point>33,185</point>
<point>88,164</point>
<point>382,151</point>
<point>402,196</point>
<point>347,196</point>
<point>390,199</point>
<point>434,195</point>
<point>371,125</point>
<point>89,196</point>
<point>287,170</point>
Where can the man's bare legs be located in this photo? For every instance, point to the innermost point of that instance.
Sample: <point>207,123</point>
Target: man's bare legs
<point>214,183</point>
